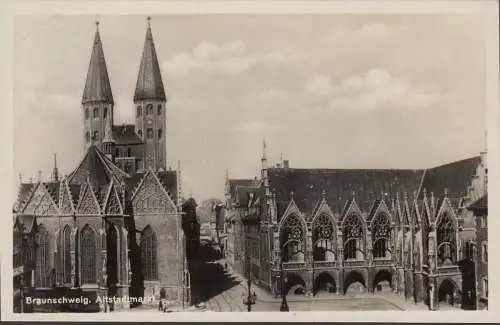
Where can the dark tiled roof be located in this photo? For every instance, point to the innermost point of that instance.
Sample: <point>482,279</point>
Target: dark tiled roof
<point>169,181</point>
<point>24,194</point>
<point>454,177</point>
<point>243,194</point>
<point>149,82</point>
<point>233,183</point>
<point>125,134</point>
<point>340,186</point>
<point>98,168</point>
<point>480,205</point>
<point>53,188</point>
<point>97,86</point>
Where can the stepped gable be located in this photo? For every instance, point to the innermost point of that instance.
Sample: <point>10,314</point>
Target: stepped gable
<point>340,186</point>
<point>125,134</point>
<point>455,177</point>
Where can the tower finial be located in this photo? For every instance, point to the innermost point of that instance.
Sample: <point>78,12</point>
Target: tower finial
<point>55,171</point>
<point>97,23</point>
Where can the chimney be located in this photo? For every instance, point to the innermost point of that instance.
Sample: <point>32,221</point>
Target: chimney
<point>286,164</point>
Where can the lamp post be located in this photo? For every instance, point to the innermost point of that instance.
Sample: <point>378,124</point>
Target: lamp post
<point>284,304</point>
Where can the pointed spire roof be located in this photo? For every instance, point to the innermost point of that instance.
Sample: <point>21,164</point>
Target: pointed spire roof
<point>55,171</point>
<point>97,86</point>
<point>149,83</point>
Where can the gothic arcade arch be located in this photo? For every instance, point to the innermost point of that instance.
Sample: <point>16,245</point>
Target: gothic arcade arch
<point>324,282</point>
<point>353,231</point>
<point>292,238</point>
<point>323,238</point>
<point>352,278</point>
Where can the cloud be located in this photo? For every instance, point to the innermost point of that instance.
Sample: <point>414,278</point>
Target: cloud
<point>373,90</point>
<point>373,30</point>
<point>228,59</point>
<point>274,94</point>
<point>254,126</point>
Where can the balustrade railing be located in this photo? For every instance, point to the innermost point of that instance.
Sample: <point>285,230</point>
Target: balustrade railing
<point>321,264</point>
<point>293,265</point>
<point>354,263</point>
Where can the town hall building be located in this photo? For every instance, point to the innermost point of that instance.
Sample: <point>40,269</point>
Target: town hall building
<point>113,226</point>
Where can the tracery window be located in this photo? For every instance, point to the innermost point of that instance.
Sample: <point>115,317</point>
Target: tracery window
<point>381,236</point>
<point>353,233</point>
<point>42,270</point>
<point>323,239</point>
<point>148,254</point>
<point>446,241</point>
<point>65,255</point>
<point>292,239</point>
<point>88,256</point>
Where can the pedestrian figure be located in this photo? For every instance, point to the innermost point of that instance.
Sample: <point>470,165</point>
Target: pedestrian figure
<point>162,306</point>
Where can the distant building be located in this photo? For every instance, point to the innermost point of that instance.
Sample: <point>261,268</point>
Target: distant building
<point>341,230</point>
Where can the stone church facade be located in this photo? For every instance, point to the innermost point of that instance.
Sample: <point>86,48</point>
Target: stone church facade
<point>112,227</point>
<point>352,230</point>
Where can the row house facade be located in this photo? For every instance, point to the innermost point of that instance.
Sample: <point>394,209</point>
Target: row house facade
<point>328,229</point>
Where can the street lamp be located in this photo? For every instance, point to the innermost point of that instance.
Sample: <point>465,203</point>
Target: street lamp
<point>284,305</point>
<point>250,299</point>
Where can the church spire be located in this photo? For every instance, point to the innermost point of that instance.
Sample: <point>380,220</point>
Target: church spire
<point>97,86</point>
<point>55,171</point>
<point>149,82</point>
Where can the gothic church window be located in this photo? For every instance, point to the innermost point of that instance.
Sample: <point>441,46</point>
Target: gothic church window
<point>42,271</point>
<point>353,238</point>
<point>292,239</point>
<point>381,236</point>
<point>65,255</point>
<point>139,111</point>
<point>150,133</point>
<point>148,254</point>
<point>323,239</point>
<point>160,133</point>
<point>150,109</point>
<point>160,109</point>
<point>88,256</point>
<point>96,112</point>
<point>446,241</point>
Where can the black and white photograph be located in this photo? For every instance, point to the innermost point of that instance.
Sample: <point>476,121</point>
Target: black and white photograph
<point>168,163</point>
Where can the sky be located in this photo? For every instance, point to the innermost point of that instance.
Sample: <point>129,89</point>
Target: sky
<point>324,91</point>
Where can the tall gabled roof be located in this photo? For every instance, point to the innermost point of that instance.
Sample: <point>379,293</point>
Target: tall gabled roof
<point>149,82</point>
<point>98,168</point>
<point>97,85</point>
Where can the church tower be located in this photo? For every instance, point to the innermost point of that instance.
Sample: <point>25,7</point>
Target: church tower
<point>97,100</point>
<point>150,100</point>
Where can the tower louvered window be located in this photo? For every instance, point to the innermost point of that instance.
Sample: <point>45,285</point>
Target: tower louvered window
<point>42,270</point>
<point>353,238</point>
<point>381,228</point>
<point>446,241</point>
<point>88,256</point>
<point>148,254</point>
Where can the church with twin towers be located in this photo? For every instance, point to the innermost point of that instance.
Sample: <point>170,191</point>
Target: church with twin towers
<point>112,226</point>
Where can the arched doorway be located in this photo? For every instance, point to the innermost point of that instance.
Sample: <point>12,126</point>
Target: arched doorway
<point>448,293</point>
<point>354,283</point>
<point>382,282</point>
<point>324,283</point>
<point>294,284</point>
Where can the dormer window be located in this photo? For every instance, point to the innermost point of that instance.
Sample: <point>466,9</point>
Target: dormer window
<point>150,109</point>
<point>96,112</point>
